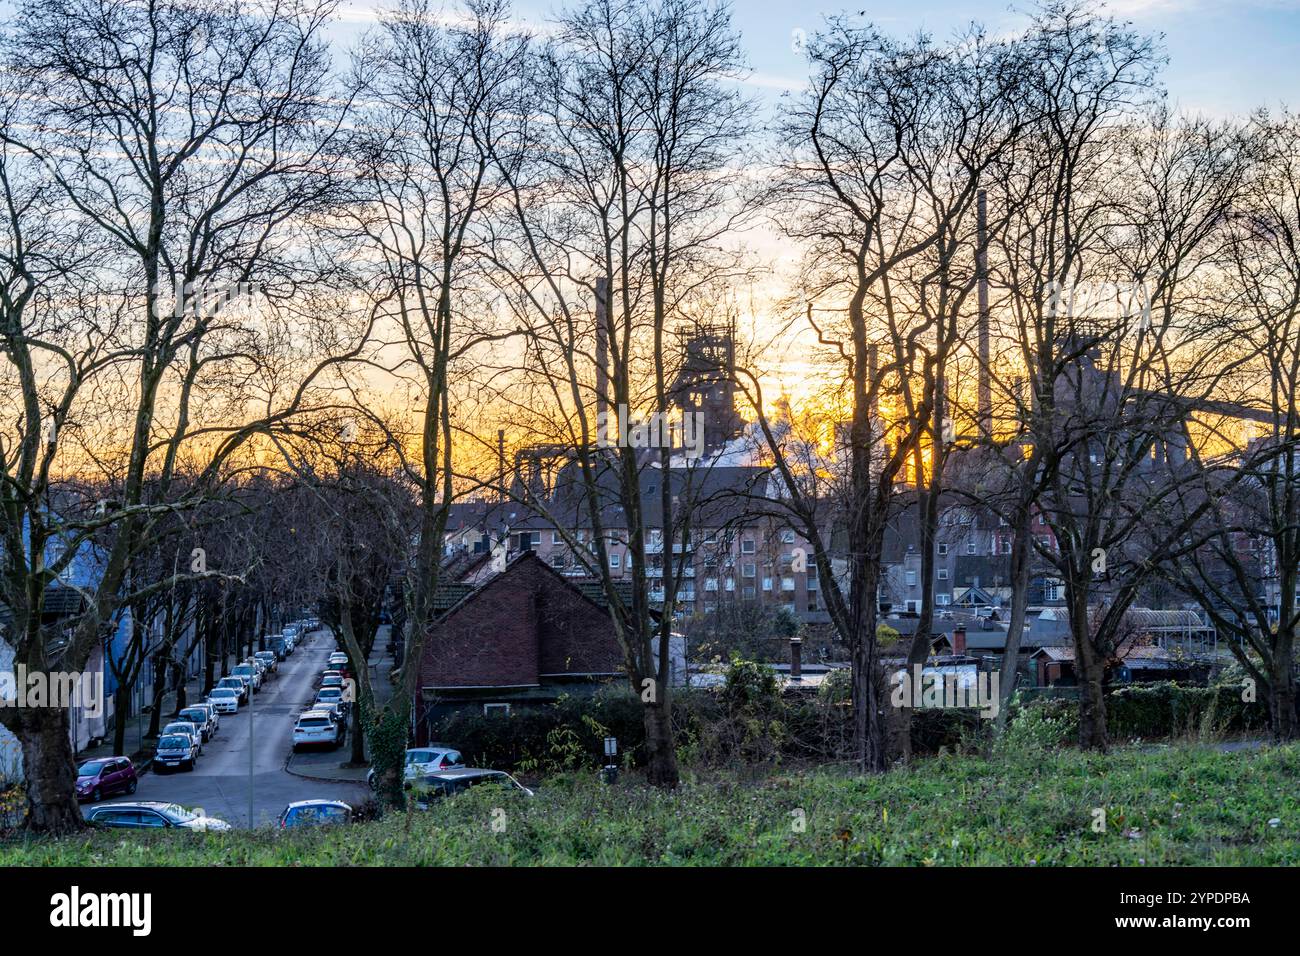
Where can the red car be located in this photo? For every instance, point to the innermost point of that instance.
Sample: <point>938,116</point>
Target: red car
<point>98,778</point>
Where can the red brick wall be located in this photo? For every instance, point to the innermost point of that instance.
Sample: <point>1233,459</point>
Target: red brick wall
<point>524,623</point>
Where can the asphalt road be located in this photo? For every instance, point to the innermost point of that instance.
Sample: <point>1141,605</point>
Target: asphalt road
<point>220,782</point>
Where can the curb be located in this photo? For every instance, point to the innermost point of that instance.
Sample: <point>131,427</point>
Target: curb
<point>307,776</point>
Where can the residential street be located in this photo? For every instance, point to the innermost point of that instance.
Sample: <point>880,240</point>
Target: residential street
<point>220,782</point>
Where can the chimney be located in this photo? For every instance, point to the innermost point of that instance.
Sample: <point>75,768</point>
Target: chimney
<point>796,658</point>
<point>959,639</point>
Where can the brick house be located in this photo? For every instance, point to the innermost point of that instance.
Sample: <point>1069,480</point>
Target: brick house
<point>519,639</point>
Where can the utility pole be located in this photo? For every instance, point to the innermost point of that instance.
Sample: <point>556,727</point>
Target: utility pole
<point>250,754</point>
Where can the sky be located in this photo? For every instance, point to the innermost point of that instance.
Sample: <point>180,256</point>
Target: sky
<point>1226,56</point>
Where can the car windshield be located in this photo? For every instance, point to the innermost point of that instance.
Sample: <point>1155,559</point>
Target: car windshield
<point>329,693</point>
<point>224,692</point>
<point>314,722</point>
<point>173,742</point>
<point>91,768</point>
<point>242,669</point>
<point>194,716</point>
<point>179,814</point>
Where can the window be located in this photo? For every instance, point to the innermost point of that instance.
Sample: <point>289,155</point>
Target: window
<point>971,546</point>
<point>556,538</point>
<point>729,583</point>
<point>942,574</point>
<point>615,561</point>
<point>943,549</point>
<point>748,592</point>
<point>747,546</point>
<point>1006,545</point>
<point>787,584</point>
<point>748,569</point>
<point>787,536</point>
<point>767,584</point>
<point>557,561</point>
<point>911,579</point>
<point>1051,591</point>
<point>496,710</point>
<point>710,584</point>
<point>943,599</point>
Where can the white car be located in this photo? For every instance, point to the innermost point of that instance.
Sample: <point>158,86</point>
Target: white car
<point>338,659</point>
<point>225,700</point>
<point>316,727</point>
<point>249,672</point>
<point>422,760</point>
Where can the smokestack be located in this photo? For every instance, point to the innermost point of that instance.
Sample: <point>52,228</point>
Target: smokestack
<point>501,464</point>
<point>959,639</point>
<point>602,346</point>
<point>796,658</point>
<point>985,397</point>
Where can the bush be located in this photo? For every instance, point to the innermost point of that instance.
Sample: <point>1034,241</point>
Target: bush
<point>1171,710</point>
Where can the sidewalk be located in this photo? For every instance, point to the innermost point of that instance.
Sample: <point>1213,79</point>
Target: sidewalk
<point>331,764</point>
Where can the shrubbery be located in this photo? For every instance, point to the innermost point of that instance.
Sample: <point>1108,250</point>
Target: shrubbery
<point>750,721</point>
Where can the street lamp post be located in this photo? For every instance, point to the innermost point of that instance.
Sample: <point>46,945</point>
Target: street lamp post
<point>250,755</point>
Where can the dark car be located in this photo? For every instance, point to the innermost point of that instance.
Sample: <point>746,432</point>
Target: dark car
<point>96,779</point>
<point>153,815</point>
<point>315,813</point>
<point>447,783</point>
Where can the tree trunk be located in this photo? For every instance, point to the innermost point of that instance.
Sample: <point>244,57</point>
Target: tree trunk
<point>1089,669</point>
<point>661,766</point>
<point>121,710</point>
<point>159,688</point>
<point>358,737</point>
<point>1021,554</point>
<point>1282,696</point>
<point>50,768</point>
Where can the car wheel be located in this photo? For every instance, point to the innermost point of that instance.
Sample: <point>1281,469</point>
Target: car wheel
<point>96,795</point>
<point>130,787</point>
<point>189,766</point>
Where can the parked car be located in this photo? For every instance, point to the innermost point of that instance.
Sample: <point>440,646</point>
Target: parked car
<point>204,715</point>
<point>338,659</point>
<point>151,814</point>
<point>272,662</point>
<point>237,684</point>
<point>252,672</point>
<point>332,695</point>
<point>176,750</point>
<point>447,783</point>
<point>422,760</point>
<point>315,813</point>
<point>186,727</point>
<point>317,728</point>
<point>332,707</point>
<point>98,778</point>
<point>332,680</point>
<point>225,699</point>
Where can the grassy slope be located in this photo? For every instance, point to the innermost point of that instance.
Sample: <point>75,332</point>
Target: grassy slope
<point>1182,805</point>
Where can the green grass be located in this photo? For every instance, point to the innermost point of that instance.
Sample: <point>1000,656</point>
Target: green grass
<point>1174,805</point>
